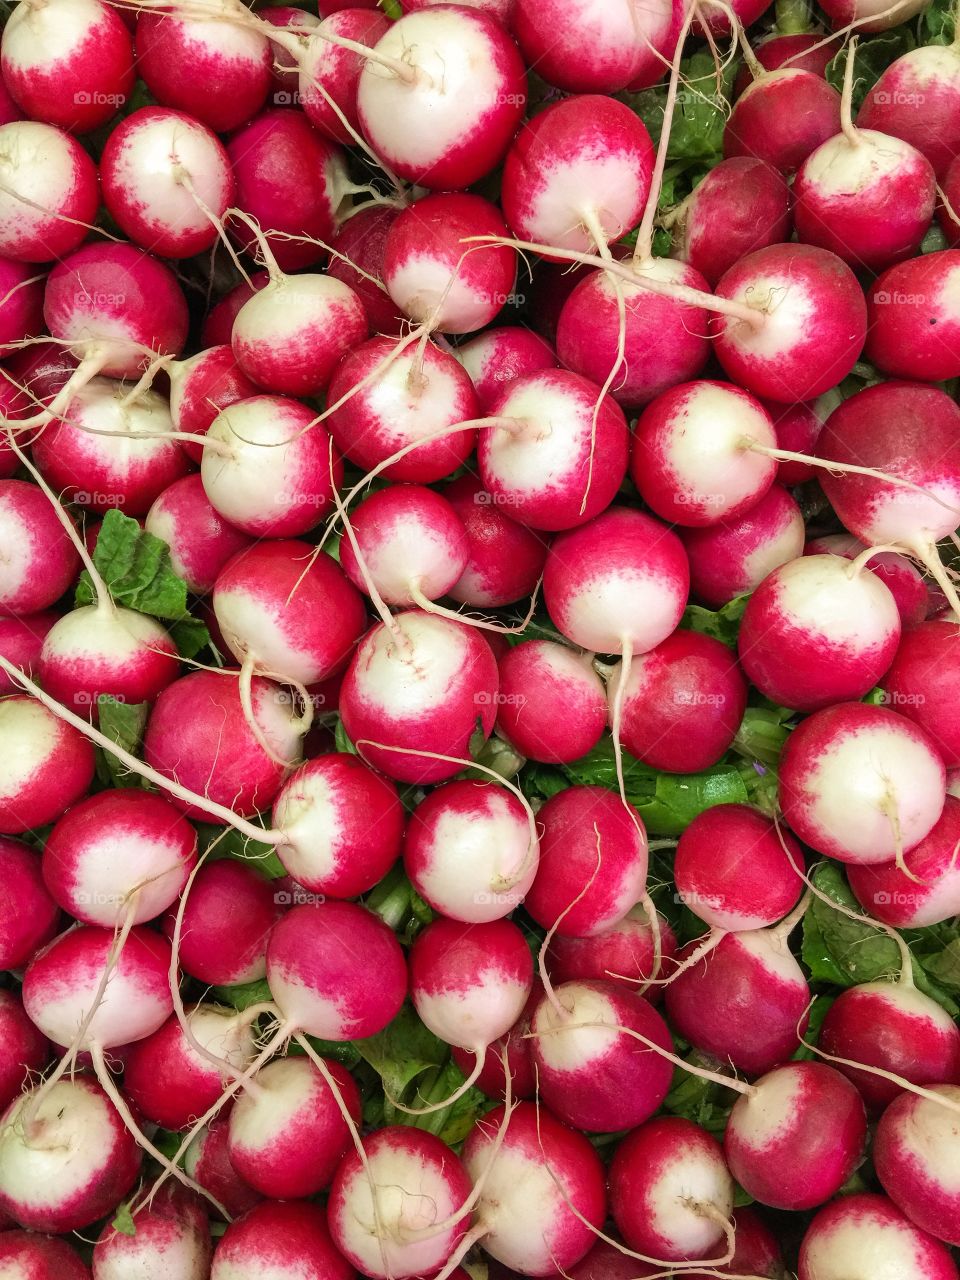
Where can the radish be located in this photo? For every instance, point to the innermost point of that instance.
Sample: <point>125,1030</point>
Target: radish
<point>47,767</point>
<point>756,1251</point>
<point>543,1198</point>
<point>594,47</point>
<point>281,1240</point>
<point>200,540</point>
<point>218,325</point>
<point>403,1210</point>
<point>208,1163</point>
<point>870,15</point>
<point>203,385</point>
<point>552,705</point>
<point>804,51</point>
<point>682,703</point>
<point>39,561</point>
<point>24,1050</point>
<point>928,76</point>
<point>923,684</point>
<point>502,10</point>
<point>267,467</point>
<point>595,1054</point>
<point>433,273</point>
<point>504,559</point>
<point>49,195</point>
<point>424,684</point>
<point>21,304</point>
<point>226,922</point>
<point>904,580</point>
<point>517,1044</point>
<point>915,1156</point>
<point>741,205</point>
<point>866,1237</point>
<point>736,870</point>
<point>794,1137</point>
<point>342,825</point>
<point>625,953</point>
<point>286,1134</point>
<point>781,117</point>
<point>359,246</point>
<point>470,852</point>
<point>285,81</point>
<point>926,890</point>
<point>21,640</point>
<point>24,1255</point>
<point>28,914</point>
<point>329,73</point>
<point>500,355</point>
<point>798,428</point>
<point>172,1237</point>
<point>9,111</point>
<point>461,69</point>
<point>166,180</point>
<point>593,862</point>
<point>68,63</point>
<point>914,319</point>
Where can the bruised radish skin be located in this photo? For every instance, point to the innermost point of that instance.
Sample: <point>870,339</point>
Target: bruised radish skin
<point>518,1045</point>
<point>329,74</point>
<point>781,117</point>
<point>915,318</point>
<point>501,355</point>
<point>39,561</point>
<point>200,540</point>
<point>904,580</point>
<point>359,245</point>
<point>505,559</point>
<point>795,1138</point>
<point>915,1155</point>
<point>923,684</point>
<point>172,1233</point>
<point>203,385</point>
<point>279,1239</point>
<point>866,1237</point>
<point>928,75</point>
<point>48,765</point>
<point>21,640</point>
<point>552,705</point>
<point>227,920</point>
<point>25,1255</point>
<point>930,893</point>
<point>47,168</point>
<point>624,953</point>
<point>83,1165</point>
<point>861,783</point>
<point>896,1029</point>
<point>23,1050</point>
<point>28,914</point>
<point>592,47</point>
<point>21,307</point>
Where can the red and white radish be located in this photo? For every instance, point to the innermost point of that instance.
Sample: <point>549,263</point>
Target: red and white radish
<point>200,540</point>
<point>926,890</point>
<point>552,704</point>
<point>500,355</point>
<point>49,193</point>
<point>226,921</point>
<point>781,117</point>
<point>866,1237</point>
<point>27,1255</point>
<point>917,98</point>
<point>915,320</point>
<point>356,257</point>
<point>915,1155</point>
<point>625,953</point>
<point>28,914</point>
<point>23,1050</point>
<point>171,1237</point>
<point>595,47</point>
<point>39,561</point>
<point>505,559</point>
<point>48,765</point>
<point>21,640</point>
<point>279,1239</point>
<point>904,580</point>
<point>329,73</point>
<point>204,384</point>
<point>21,306</point>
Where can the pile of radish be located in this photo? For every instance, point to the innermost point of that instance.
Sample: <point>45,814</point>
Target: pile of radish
<point>479,640</point>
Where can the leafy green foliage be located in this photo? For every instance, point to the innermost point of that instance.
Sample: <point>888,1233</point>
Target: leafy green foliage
<point>123,1220</point>
<point>873,56</point>
<point>720,624</point>
<point>225,842</point>
<point>124,723</point>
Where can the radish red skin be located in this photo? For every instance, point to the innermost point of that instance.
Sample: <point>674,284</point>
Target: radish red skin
<point>781,117</point>
<point>491,1080</point>
<point>923,684</point>
<point>359,245</point>
<point>915,1156</point>
<point>798,428</point>
<point>806,51</point>
<point>201,542</point>
<point>218,325</point>
<point>500,355</point>
<point>756,1250</point>
<point>21,640</point>
<point>888,894</point>
<point>506,559</point>
<point>24,1050</point>
<point>227,920</point>
<point>54,765</point>
<point>336,69</point>
<point>624,953</point>
<point>28,914</point>
<point>40,562</point>
<point>37,1257</point>
<point>21,308</point>
<point>552,704</point>
<point>203,385</point>
<point>915,320</point>
<point>857,1234</point>
<point>917,98</point>
<point>278,1238</point>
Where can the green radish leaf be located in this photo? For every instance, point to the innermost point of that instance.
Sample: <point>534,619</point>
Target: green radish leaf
<point>243,995</point>
<point>123,1220</point>
<point>873,56</point>
<point>124,723</point>
<point>225,842</point>
<point>721,624</point>
<point>341,741</point>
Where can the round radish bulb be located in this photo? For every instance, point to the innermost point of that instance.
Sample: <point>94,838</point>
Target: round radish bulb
<point>165,1076</point>
<point>290,335</point>
<point>682,703</point>
<point>24,1255</point>
<point>805,51</point>
<point>21,640</point>
<point>329,74</point>
<point>21,305</point>
<point>68,63</point>
<point>625,953</point>
<point>417,395</point>
<point>663,1176</point>
<point>412,544</point>
<point>342,825</point>
<point>756,1251</point>
<point>579,170</point>
<point>218,325</point>
<point>781,117</point>
<point>502,10</point>
<point>396,1214</point>
<point>795,1138</point>
<point>502,355</point>
<point>270,470</point>
<point>172,1238</point>
<point>904,580</point>
<point>915,1154</point>
<point>691,459</point>
<point>359,246</point>
<point>897,1029</point>
<point>281,1240</point>
<point>463,73</point>
<point>39,561</point>
<point>544,1195</point>
<point>77,1163</point>
<point>469,852</point>
<point>285,82</point>
<point>596,47</point>
<point>552,704</point>
<point>287,1137</point>
<point>870,15</point>
<point>731,558</point>
<point>866,197</point>
<point>804,345</point>
<point>200,540</point>
<point>49,194</point>
<point>798,428</point>
<point>216,72</point>
<point>866,1237</point>
<point>504,559</point>
<point>928,76</point>
<point>588,332</point>
<point>227,919</point>
<point>24,1052</point>
<point>28,914</point>
<point>915,319</point>
<point>736,870</point>
<point>426,682</point>
<point>492,1080</point>
<point>291,181</point>
<point>208,1163</point>
<point>48,765</point>
<point>741,205</point>
<point>923,684</point>
<point>203,385</point>
<point>37,372</point>
<point>198,737</point>
<point>591,1071</point>
<point>436,276</point>
<point>930,893</point>
<point>861,783</point>
<point>746,13</point>
<point>593,862</point>
<point>109,301</point>
<point>562,462</point>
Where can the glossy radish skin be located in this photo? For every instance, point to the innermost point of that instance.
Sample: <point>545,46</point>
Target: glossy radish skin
<point>197,735</point>
<point>24,1051</point>
<point>592,47</point>
<point>802,348</point>
<point>866,1237</point>
<point>48,766</point>
<point>586,156</point>
<point>781,117</point>
<point>227,919</point>
<point>40,561</point>
<point>158,169</point>
<point>501,355</point>
<point>897,1029</point>
<point>47,168</point>
<point>735,869</point>
<point>929,74</point>
<point>21,640</point>
<point>200,540</point>
<point>915,318</point>
<point>85,1164</point>
<point>931,893</point>
<point>527,1215</point>
<point>342,823</point>
<point>200,387</point>
<point>552,705</point>
<point>689,461</point>
<point>861,783</point>
<point>624,953</point>
<point>915,1155</point>
<point>28,914</point>
<point>468,851</point>
<point>469,79</point>
<point>540,470</point>
<point>21,305</point>
<point>336,970</point>
<point>279,1239</point>
<point>732,557</point>
<point>900,575</point>
<point>571,852</point>
<point>330,74</point>
<point>359,246</point>
<point>173,1232</point>
<point>591,1071</point>
<point>795,1139</point>
<point>923,684</point>
<point>504,559</point>
<point>26,1255</point>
